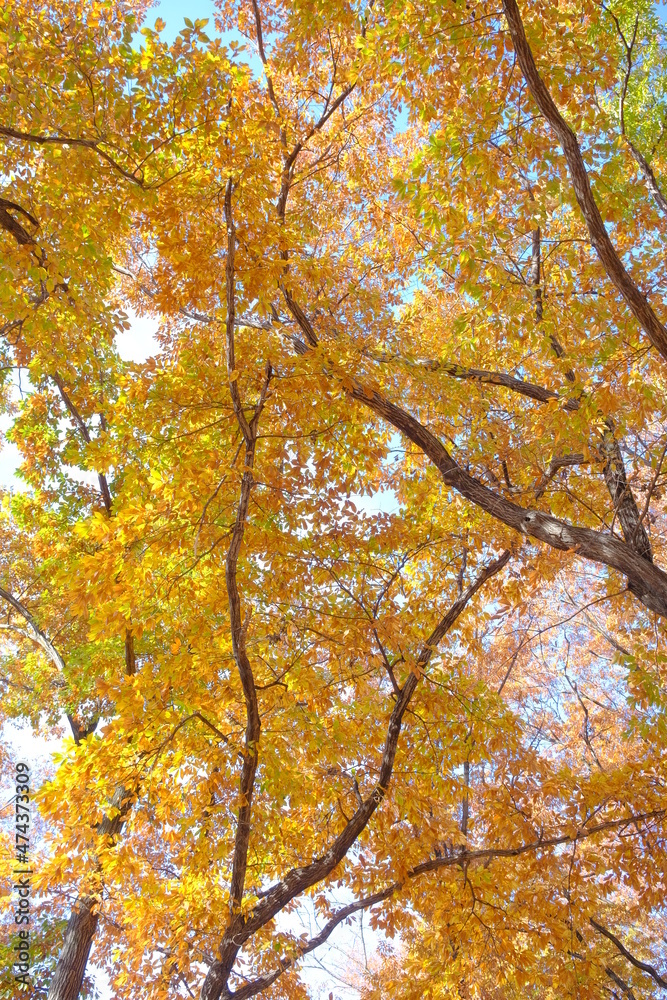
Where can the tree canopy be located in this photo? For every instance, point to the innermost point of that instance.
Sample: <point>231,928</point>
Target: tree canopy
<point>353,594</point>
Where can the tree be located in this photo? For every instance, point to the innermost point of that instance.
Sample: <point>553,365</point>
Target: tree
<point>412,251</point>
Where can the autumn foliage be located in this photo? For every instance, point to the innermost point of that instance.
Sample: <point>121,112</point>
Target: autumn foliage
<point>353,594</point>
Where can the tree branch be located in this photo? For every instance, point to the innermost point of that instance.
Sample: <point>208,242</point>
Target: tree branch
<point>462,859</point>
<point>12,226</point>
<point>238,628</point>
<point>638,964</point>
<point>44,140</point>
<point>620,982</point>
<point>33,631</point>
<point>622,497</point>
<point>641,161</point>
<point>85,434</point>
<point>645,580</point>
<point>605,249</point>
<point>454,370</point>
<point>298,880</point>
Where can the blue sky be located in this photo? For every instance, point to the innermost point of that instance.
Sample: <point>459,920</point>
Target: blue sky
<point>174,11</point>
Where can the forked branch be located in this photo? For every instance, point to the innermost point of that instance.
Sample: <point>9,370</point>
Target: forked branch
<point>298,880</point>
<point>461,859</point>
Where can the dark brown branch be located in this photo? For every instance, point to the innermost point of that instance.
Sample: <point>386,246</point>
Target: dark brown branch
<point>85,434</point>
<point>557,463</point>
<point>622,497</point>
<point>130,657</point>
<point>252,732</point>
<point>454,370</point>
<point>465,806</point>
<point>44,140</point>
<point>645,580</point>
<point>216,980</point>
<point>638,964</point>
<point>298,880</point>
<point>291,158</point>
<point>462,858</point>
<point>231,316</point>
<point>12,226</point>
<point>466,857</point>
<point>536,268</point>
<point>80,732</point>
<point>263,982</point>
<point>621,983</point>
<point>177,728</point>
<point>82,924</point>
<point>625,506</point>
<point>605,249</point>
<point>262,56</point>
<point>654,480</point>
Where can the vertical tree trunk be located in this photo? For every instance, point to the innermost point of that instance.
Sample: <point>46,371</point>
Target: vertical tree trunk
<point>71,968</point>
<point>82,924</point>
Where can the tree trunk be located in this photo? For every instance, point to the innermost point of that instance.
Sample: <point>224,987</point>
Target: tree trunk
<point>82,924</point>
<point>71,968</point>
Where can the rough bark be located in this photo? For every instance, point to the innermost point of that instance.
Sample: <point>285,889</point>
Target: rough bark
<point>645,580</point>
<point>622,497</point>
<point>82,924</point>
<point>81,927</point>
